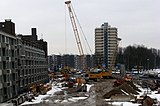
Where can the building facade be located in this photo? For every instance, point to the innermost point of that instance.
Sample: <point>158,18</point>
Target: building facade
<point>72,61</point>
<point>54,62</point>
<point>106,45</point>
<point>22,62</point>
<point>33,67</point>
<point>8,61</point>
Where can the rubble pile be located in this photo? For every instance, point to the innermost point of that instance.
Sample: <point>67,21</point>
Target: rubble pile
<point>124,92</point>
<point>152,84</point>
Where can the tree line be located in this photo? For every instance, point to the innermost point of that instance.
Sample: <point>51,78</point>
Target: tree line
<point>139,57</point>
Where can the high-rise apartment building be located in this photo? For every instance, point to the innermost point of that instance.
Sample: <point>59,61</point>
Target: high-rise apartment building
<point>106,44</point>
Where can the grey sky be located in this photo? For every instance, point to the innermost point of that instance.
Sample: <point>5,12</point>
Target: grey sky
<point>138,21</point>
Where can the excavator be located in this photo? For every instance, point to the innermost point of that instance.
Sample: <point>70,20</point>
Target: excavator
<point>99,72</point>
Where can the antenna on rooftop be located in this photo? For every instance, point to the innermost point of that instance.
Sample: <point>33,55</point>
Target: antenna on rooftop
<point>42,36</point>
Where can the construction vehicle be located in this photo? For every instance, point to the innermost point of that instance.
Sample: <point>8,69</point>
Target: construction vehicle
<point>65,72</point>
<point>40,88</point>
<point>99,73</point>
<point>96,73</point>
<point>33,89</point>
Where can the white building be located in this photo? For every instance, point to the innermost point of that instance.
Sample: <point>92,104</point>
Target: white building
<point>106,44</point>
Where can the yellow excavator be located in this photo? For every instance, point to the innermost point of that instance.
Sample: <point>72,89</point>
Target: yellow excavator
<point>99,72</point>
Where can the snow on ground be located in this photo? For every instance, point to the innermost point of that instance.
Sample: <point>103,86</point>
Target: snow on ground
<point>37,100</point>
<point>53,90</point>
<point>41,98</point>
<point>124,104</point>
<point>152,94</point>
<point>50,93</point>
<point>144,91</point>
<point>88,87</point>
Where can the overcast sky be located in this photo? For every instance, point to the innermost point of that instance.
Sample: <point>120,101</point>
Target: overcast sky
<point>138,21</point>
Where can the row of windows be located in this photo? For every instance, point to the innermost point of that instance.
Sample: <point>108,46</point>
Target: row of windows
<point>7,52</point>
<point>31,80</point>
<point>32,71</point>
<point>8,40</point>
<point>8,65</point>
<point>32,54</point>
<point>33,62</point>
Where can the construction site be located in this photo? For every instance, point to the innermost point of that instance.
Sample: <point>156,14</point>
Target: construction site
<point>75,90</point>
<point>97,86</point>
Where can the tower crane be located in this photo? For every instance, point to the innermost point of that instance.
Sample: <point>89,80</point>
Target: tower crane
<point>74,26</point>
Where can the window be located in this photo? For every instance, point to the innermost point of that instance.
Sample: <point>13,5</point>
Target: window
<point>13,65</point>
<point>7,40</point>
<point>4,77</point>
<point>4,64</point>
<point>3,39</point>
<point>12,53</point>
<point>12,42</point>
<point>3,51</point>
<point>13,76</point>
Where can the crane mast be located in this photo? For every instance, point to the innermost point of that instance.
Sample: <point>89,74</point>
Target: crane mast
<point>74,26</point>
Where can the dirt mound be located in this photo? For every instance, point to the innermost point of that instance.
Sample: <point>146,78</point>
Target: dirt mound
<point>127,88</point>
<point>133,86</point>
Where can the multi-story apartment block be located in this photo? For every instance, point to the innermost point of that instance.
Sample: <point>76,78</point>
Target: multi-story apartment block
<point>54,62</point>
<point>67,60</point>
<point>106,44</point>
<point>72,61</point>
<point>33,67</point>
<point>89,61</point>
<point>23,62</point>
<point>8,61</point>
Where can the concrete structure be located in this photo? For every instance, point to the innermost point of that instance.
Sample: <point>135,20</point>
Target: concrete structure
<point>67,60</point>
<point>106,44</point>
<point>23,61</point>
<point>33,67</point>
<point>8,61</point>
<point>8,27</point>
<point>73,61</point>
<point>54,62</point>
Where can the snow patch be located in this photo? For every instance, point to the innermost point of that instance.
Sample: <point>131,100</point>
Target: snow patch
<point>41,98</point>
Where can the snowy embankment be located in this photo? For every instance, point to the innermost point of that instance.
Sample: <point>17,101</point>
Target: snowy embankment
<point>55,88</point>
<point>144,91</point>
<point>152,95</point>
